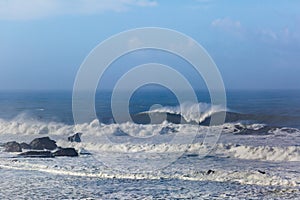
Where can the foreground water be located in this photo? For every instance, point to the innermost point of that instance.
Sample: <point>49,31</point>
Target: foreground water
<point>257,155</point>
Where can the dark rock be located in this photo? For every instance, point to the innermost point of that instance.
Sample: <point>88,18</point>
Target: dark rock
<point>12,147</point>
<point>167,129</point>
<point>249,131</point>
<point>75,137</point>
<point>262,172</point>
<point>192,155</point>
<point>71,152</point>
<point>210,172</point>
<point>43,143</point>
<point>25,145</point>
<point>37,154</point>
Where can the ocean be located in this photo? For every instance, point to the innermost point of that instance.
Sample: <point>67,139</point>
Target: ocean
<point>256,157</point>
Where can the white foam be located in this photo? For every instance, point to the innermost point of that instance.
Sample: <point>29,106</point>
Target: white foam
<point>63,167</point>
<point>264,153</point>
<point>35,127</point>
<point>231,127</point>
<point>285,131</point>
<point>267,153</point>
<point>91,139</point>
<point>32,127</point>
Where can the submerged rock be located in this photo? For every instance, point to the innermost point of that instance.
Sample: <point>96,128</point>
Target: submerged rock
<point>43,143</point>
<point>71,152</point>
<point>12,147</point>
<point>167,129</point>
<point>210,172</point>
<point>37,154</point>
<point>192,155</point>
<point>83,152</point>
<point>75,137</point>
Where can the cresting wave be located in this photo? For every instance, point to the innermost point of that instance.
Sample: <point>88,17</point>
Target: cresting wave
<point>189,111</point>
<point>263,153</point>
<point>24,126</point>
<point>91,140</point>
<point>32,127</point>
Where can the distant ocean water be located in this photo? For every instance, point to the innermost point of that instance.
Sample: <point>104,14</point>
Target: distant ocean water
<point>273,107</point>
<point>257,156</point>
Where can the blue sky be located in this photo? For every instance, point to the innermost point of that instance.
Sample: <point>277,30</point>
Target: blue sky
<point>255,45</point>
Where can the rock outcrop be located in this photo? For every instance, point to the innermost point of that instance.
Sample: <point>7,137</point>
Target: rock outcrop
<point>75,137</point>
<point>43,143</point>
<point>25,145</point>
<point>167,129</point>
<point>12,147</point>
<point>70,152</point>
<point>41,148</point>
<point>37,154</point>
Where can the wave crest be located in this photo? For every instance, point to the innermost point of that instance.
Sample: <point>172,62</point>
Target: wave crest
<point>189,111</point>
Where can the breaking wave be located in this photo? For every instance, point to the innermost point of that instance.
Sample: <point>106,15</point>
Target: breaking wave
<point>189,112</point>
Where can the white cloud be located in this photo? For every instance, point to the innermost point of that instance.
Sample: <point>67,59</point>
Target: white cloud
<point>281,38</point>
<point>268,34</point>
<point>284,35</point>
<point>226,24</point>
<point>229,26</point>
<point>36,9</point>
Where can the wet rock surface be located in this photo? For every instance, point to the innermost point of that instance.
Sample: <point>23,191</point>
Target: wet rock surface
<point>43,143</point>
<point>12,147</point>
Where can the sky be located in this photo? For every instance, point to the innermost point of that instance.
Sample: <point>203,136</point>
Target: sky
<point>255,45</point>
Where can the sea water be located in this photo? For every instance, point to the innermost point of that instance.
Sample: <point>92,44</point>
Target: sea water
<point>256,157</point>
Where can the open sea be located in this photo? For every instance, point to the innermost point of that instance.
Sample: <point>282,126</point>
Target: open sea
<point>256,157</point>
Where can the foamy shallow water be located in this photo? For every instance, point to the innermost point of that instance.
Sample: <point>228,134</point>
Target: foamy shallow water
<point>39,185</point>
<point>54,178</point>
